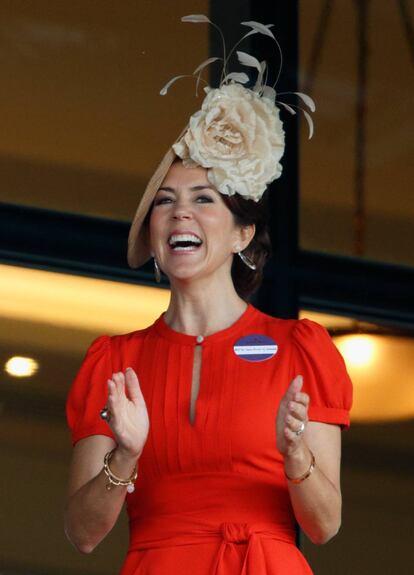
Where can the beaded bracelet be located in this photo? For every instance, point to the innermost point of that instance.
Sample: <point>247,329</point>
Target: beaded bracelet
<point>114,480</point>
<point>305,475</point>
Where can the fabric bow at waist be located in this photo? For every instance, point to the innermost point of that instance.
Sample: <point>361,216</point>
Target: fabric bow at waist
<point>227,534</point>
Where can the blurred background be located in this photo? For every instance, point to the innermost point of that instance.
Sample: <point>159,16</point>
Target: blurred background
<point>83,127</point>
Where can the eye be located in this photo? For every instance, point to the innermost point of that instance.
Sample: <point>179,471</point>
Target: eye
<point>204,199</point>
<point>162,200</point>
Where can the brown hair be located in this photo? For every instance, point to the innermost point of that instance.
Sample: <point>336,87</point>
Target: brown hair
<point>247,281</point>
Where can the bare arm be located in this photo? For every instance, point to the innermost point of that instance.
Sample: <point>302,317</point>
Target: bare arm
<point>91,510</point>
<point>316,501</point>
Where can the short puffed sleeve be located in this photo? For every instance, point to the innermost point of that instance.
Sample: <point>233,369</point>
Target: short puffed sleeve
<point>325,377</point>
<point>88,392</point>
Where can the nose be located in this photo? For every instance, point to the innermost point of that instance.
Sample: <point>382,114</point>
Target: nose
<point>182,210</point>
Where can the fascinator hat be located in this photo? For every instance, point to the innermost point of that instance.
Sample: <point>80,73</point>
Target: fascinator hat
<point>237,135</point>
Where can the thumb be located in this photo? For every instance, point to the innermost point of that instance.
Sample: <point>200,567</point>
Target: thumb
<point>132,385</point>
<point>295,386</point>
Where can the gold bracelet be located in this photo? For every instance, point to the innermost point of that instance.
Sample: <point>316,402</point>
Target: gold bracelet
<point>305,475</point>
<point>114,480</point>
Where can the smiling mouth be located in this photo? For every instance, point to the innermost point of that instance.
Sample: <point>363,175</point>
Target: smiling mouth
<point>184,242</point>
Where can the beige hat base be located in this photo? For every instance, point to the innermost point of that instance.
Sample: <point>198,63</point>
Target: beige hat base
<point>138,244</point>
<point>139,251</point>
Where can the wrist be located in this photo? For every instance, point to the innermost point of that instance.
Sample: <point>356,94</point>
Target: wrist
<point>122,466</point>
<point>298,461</point>
<point>123,461</point>
<point>126,455</point>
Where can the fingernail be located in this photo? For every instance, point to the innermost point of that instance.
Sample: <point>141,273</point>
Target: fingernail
<point>128,369</point>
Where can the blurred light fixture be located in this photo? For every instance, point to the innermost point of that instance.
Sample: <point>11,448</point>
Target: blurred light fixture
<point>359,350</point>
<point>20,366</point>
<point>380,362</point>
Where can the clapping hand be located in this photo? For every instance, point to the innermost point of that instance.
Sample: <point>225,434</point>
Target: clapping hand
<point>129,419</point>
<point>292,417</point>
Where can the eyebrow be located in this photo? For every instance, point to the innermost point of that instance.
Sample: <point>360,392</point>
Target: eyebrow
<point>192,189</point>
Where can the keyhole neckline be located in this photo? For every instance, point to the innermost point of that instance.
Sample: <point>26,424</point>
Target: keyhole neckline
<point>166,331</point>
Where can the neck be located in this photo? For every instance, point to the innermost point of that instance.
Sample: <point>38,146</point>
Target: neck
<point>203,307</point>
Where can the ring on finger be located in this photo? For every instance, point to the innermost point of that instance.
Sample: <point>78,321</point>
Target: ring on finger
<point>301,428</point>
<point>106,414</point>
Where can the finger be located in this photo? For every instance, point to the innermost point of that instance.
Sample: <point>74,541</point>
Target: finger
<point>298,410</point>
<point>294,387</point>
<point>115,382</point>
<point>112,401</point>
<point>132,385</point>
<point>120,383</point>
<point>293,423</point>
<point>111,389</point>
<point>302,398</point>
<point>111,386</point>
<point>291,436</point>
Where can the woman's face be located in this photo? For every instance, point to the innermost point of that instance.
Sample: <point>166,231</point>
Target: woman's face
<point>192,232</point>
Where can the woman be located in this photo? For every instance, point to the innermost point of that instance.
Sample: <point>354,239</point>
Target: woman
<point>222,424</point>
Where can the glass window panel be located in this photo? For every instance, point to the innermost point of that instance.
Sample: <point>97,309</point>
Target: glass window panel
<point>83,124</point>
<point>377,452</point>
<point>329,64</point>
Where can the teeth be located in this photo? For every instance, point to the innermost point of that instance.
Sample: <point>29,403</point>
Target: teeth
<point>175,238</point>
<point>183,248</point>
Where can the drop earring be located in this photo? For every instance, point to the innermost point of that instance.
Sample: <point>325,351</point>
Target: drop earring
<point>157,271</point>
<point>249,263</point>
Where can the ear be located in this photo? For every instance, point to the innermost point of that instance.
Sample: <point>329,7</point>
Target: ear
<point>245,236</point>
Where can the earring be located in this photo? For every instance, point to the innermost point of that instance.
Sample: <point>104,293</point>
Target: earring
<point>249,263</point>
<point>157,271</point>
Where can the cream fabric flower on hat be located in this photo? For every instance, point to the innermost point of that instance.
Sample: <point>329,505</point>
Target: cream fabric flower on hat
<point>239,137</point>
<point>238,134</point>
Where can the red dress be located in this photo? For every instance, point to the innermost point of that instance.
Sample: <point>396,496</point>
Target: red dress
<point>211,498</point>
